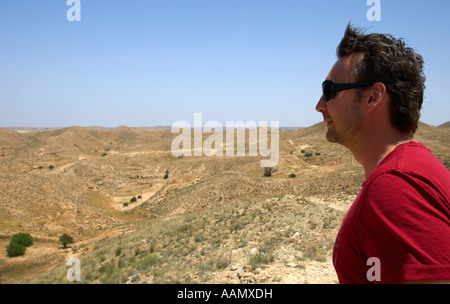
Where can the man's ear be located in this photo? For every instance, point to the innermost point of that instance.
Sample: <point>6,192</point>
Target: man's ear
<point>377,94</point>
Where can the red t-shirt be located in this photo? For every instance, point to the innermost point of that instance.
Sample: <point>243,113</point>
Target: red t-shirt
<point>401,217</point>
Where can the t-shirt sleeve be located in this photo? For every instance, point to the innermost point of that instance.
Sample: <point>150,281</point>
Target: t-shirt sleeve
<point>402,225</point>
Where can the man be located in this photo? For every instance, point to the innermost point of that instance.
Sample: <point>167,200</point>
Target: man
<point>398,228</point>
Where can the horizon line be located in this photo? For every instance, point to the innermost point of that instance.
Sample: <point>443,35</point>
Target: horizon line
<point>160,127</point>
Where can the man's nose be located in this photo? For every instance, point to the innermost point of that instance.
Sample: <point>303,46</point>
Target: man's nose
<point>320,107</point>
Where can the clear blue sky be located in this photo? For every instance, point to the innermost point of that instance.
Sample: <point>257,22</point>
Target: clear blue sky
<point>148,62</point>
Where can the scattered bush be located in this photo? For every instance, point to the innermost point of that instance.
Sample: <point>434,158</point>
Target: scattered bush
<point>268,171</point>
<point>261,258</point>
<point>18,244</point>
<point>65,240</point>
<point>166,176</point>
<point>15,249</point>
<point>51,167</point>
<point>23,239</point>
<point>292,175</point>
<point>133,199</point>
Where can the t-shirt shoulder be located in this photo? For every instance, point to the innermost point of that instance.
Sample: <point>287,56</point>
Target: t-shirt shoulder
<point>415,160</point>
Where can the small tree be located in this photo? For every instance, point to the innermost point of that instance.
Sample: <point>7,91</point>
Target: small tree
<point>166,176</point>
<point>65,240</point>
<point>268,171</point>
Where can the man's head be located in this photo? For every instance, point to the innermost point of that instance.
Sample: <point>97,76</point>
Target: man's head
<point>396,70</point>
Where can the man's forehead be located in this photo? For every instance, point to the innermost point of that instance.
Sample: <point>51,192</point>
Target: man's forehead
<point>342,70</point>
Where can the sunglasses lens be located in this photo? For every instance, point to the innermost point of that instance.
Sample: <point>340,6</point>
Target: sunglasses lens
<point>327,91</point>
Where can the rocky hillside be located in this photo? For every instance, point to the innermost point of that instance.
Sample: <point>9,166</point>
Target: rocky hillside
<point>137,213</point>
<point>445,125</point>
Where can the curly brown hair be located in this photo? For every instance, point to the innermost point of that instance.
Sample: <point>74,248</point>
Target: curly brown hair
<point>388,60</point>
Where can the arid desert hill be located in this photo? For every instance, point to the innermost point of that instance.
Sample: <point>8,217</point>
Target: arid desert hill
<point>445,125</point>
<point>119,185</point>
<point>76,179</point>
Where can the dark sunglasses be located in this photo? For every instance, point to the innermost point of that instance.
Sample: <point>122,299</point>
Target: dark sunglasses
<point>329,88</point>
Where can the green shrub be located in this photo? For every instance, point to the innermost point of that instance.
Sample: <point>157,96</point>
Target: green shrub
<point>133,199</point>
<point>292,175</point>
<point>15,249</point>
<point>23,239</point>
<point>148,261</point>
<point>65,240</point>
<point>268,171</point>
<point>261,259</point>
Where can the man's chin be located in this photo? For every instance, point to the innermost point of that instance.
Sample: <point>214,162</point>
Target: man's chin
<point>331,137</point>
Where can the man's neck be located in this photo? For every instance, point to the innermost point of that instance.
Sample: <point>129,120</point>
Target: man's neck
<point>369,151</point>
